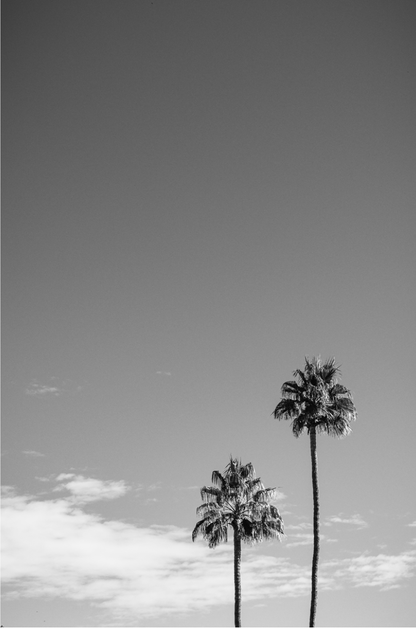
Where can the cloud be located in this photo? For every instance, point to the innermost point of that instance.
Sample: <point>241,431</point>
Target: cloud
<point>53,548</point>
<point>303,530</point>
<point>383,571</point>
<point>55,388</point>
<point>167,373</point>
<point>84,490</point>
<point>35,454</point>
<point>300,538</point>
<point>154,487</point>
<point>303,525</point>
<point>355,520</point>
<point>38,390</point>
<point>305,538</point>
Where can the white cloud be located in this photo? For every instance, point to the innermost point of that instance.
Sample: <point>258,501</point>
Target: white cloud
<point>34,454</point>
<point>355,520</point>
<point>54,388</point>
<point>167,373</point>
<point>383,571</point>
<point>303,525</point>
<point>412,525</point>
<point>303,530</point>
<point>53,548</point>
<point>38,390</point>
<point>85,490</point>
<point>305,538</point>
<point>300,538</point>
<point>154,487</point>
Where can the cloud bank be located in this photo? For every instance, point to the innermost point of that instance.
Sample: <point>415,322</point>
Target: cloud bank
<point>53,548</point>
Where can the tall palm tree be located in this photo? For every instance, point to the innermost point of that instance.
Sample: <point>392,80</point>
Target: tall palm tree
<point>315,402</point>
<point>238,500</point>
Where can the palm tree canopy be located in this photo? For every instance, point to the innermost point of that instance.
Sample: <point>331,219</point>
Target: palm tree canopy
<point>316,400</point>
<point>238,500</point>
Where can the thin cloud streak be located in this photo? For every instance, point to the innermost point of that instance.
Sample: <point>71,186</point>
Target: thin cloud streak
<point>34,454</point>
<point>355,520</point>
<point>39,390</point>
<point>304,538</point>
<point>53,548</point>
<point>54,388</point>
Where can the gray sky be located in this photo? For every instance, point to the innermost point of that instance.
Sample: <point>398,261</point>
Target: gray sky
<point>196,195</point>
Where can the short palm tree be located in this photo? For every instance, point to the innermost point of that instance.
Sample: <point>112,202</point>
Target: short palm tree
<point>240,501</point>
<point>315,402</point>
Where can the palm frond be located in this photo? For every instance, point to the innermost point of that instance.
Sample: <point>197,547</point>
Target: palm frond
<point>338,390</point>
<point>291,390</point>
<point>264,495</point>
<point>287,409</point>
<point>215,531</point>
<point>208,509</point>
<point>211,493</point>
<point>329,369</point>
<point>217,478</point>
<point>299,425</point>
<point>300,376</point>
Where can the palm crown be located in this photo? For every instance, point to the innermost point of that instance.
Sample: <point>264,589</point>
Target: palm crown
<point>316,400</point>
<point>238,500</point>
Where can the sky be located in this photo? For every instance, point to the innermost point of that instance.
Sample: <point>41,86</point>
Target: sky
<point>196,196</point>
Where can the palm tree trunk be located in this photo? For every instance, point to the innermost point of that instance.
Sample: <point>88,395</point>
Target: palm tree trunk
<point>315,558</point>
<point>237,577</point>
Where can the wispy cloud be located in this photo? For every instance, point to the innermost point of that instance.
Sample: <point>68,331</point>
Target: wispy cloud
<point>39,390</point>
<point>303,525</point>
<point>383,571</point>
<point>304,538</point>
<point>301,533</point>
<point>34,454</point>
<point>154,487</point>
<point>355,520</point>
<point>167,373</point>
<point>54,388</point>
<point>54,548</point>
<point>299,538</point>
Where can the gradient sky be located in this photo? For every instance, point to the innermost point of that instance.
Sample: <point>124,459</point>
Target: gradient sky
<point>196,195</point>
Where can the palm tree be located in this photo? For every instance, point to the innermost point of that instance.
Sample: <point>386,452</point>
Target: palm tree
<point>238,500</point>
<point>315,402</point>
